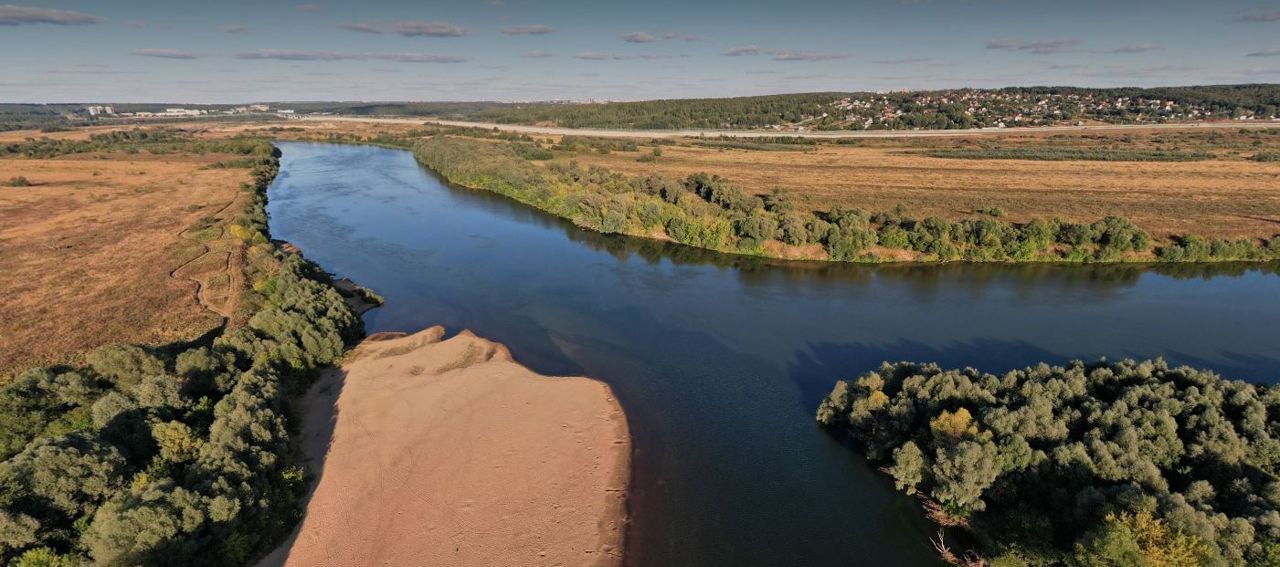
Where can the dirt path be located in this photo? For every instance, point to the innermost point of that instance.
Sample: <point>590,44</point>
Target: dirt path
<point>228,307</point>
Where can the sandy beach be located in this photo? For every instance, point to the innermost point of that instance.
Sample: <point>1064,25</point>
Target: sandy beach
<point>432,452</point>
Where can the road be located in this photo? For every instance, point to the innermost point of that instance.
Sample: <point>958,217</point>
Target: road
<point>604,133</point>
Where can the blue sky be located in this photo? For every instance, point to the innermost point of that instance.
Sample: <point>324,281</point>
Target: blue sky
<point>240,51</point>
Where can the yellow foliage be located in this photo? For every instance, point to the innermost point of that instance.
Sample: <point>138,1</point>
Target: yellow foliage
<point>240,232</point>
<point>956,425</point>
<point>1159,545</point>
<point>140,482</point>
<point>877,400</point>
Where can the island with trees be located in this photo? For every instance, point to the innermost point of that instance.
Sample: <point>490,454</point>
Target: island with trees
<point>1089,464</point>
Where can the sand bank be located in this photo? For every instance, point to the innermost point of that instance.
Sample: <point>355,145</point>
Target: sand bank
<point>449,453</point>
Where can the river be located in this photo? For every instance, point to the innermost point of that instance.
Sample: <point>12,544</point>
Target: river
<point>720,361</point>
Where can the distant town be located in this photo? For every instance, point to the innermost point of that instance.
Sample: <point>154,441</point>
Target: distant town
<point>977,108</point>
<point>107,111</point>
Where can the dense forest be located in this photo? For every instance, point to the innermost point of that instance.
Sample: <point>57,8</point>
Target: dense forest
<point>46,117</point>
<point>1091,464</point>
<point>708,211</point>
<point>152,141</point>
<point>178,455</point>
<point>945,109</point>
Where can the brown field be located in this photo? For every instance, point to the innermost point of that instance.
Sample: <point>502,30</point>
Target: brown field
<point>114,248</point>
<point>1221,197</point>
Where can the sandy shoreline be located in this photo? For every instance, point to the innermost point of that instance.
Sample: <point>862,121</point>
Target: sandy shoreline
<point>434,452</point>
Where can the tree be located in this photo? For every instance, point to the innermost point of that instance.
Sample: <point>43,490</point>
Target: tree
<point>1142,540</point>
<point>45,557</point>
<point>908,467</point>
<point>177,442</point>
<point>125,365</point>
<point>954,425</point>
<point>962,472</point>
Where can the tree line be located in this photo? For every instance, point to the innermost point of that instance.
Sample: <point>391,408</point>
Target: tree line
<point>1089,464</point>
<point>708,211</point>
<point>152,140</point>
<point>178,455</point>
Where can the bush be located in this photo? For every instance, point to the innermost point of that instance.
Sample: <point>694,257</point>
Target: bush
<point>18,181</point>
<point>1194,248</point>
<point>532,152</point>
<point>125,365</point>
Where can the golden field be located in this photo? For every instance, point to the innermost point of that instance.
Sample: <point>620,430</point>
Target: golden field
<point>1227,196</point>
<point>107,248</point>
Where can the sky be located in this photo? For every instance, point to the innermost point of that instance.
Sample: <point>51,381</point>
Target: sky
<point>513,50</point>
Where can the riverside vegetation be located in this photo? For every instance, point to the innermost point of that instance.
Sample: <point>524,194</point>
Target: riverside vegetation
<point>177,455</point>
<point>708,211</point>
<point>1090,465</point>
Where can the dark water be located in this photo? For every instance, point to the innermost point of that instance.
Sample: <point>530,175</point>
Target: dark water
<point>720,362</point>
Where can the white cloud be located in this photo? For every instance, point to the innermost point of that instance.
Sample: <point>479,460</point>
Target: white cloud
<point>359,27</point>
<point>164,53</point>
<point>292,55</point>
<point>24,15</point>
<point>639,37</point>
<point>1138,48</point>
<point>530,29</point>
<point>410,28</point>
<point>407,28</point>
<point>597,56</point>
<point>1038,47</point>
<point>782,54</point>
<point>792,55</point>
<point>745,50</point>
<point>1257,17</point>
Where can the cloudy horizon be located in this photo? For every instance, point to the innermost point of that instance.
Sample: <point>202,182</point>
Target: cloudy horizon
<point>508,50</point>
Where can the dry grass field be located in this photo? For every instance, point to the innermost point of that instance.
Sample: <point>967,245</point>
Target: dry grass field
<point>1228,196</point>
<point>114,248</point>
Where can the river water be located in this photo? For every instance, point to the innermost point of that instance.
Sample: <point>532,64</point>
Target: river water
<point>720,361</point>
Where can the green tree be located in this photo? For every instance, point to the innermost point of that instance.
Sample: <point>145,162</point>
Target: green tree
<point>962,472</point>
<point>909,467</point>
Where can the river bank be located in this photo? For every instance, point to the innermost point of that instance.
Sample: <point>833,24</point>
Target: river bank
<point>710,212</point>
<point>432,451</point>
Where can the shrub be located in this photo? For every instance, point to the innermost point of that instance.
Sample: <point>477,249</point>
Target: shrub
<point>125,365</point>
<point>18,181</point>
